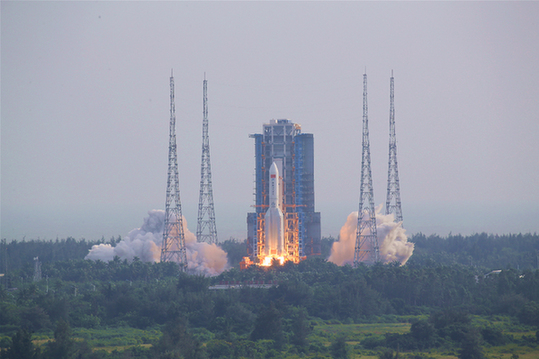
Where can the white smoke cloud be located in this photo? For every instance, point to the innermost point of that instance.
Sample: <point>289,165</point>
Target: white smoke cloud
<point>145,243</point>
<point>392,240</point>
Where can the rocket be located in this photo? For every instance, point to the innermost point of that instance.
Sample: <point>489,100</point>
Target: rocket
<point>274,219</point>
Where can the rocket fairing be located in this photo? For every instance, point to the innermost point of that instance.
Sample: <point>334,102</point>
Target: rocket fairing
<point>274,219</point>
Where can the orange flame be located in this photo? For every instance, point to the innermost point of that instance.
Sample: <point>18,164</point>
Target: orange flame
<point>268,260</point>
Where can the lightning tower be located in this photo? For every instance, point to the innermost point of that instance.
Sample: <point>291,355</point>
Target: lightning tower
<point>206,230</point>
<point>173,247</point>
<point>366,249</point>
<point>37,269</point>
<point>393,202</point>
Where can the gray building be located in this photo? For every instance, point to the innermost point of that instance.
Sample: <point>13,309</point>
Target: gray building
<point>283,143</point>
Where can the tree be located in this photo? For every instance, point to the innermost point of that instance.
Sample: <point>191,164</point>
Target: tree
<point>339,349</point>
<point>529,314</point>
<point>424,333</point>
<point>301,328</point>
<point>177,342</point>
<point>34,318</point>
<point>63,346</point>
<point>471,346</point>
<point>239,318</point>
<point>218,348</point>
<point>452,324</point>
<point>388,354</point>
<point>493,336</point>
<point>193,283</point>
<point>268,326</point>
<point>235,250</point>
<point>21,346</point>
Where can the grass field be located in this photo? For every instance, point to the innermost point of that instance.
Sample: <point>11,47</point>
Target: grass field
<point>120,348</point>
<point>523,339</point>
<point>355,333</point>
<point>108,339</point>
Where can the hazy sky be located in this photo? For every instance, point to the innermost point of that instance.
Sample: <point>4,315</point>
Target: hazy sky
<point>85,109</point>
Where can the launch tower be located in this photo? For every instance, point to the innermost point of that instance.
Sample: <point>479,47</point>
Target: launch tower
<point>393,202</point>
<point>206,229</point>
<point>366,248</point>
<point>292,152</point>
<point>173,246</point>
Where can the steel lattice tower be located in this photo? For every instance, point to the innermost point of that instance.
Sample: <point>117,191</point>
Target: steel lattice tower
<point>366,249</point>
<point>206,230</point>
<point>393,202</point>
<point>173,247</point>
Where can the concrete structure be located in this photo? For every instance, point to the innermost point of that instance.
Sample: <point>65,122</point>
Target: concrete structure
<point>283,143</point>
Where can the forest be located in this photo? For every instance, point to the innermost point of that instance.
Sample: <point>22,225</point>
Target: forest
<point>457,297</point>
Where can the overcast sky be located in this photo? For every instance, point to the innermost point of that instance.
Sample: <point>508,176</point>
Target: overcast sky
<point>85,109</point>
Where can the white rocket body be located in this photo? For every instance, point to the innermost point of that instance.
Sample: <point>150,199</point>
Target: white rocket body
<point>274,229</point>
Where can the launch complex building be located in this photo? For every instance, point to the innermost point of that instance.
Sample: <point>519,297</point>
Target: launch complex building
<point>284,225</point>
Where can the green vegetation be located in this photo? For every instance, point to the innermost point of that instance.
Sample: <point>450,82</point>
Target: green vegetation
<point>121,309</point>
<point>481,250</point>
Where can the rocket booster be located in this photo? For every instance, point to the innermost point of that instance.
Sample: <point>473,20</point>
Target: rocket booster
<point>274,229</point>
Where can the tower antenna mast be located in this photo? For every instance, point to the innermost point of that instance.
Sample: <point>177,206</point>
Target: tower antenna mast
<point>173,246</point>
<point>206,229</point>
<point>366,249</point>
<point>393,201</point>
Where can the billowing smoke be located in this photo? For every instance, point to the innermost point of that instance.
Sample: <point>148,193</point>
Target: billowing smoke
<point>145,243</point>
<point>392,240</point>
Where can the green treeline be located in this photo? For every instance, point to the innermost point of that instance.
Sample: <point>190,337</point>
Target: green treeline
<point>480,250</point>
<point>17,255</point>
<point>483,250</point>
<point>161,313</point>
<point>187,310</point>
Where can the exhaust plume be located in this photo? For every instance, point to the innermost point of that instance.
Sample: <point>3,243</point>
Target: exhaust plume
<point>145,243</point>
<point>392,240</point>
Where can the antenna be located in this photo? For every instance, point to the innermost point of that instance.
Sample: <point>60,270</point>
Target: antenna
<point>206,229</point>
<point>173,246</point>
<point>393,199</point>
<point>366,249</point>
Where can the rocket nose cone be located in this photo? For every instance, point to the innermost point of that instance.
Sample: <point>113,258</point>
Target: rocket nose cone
<point>273,169</point>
